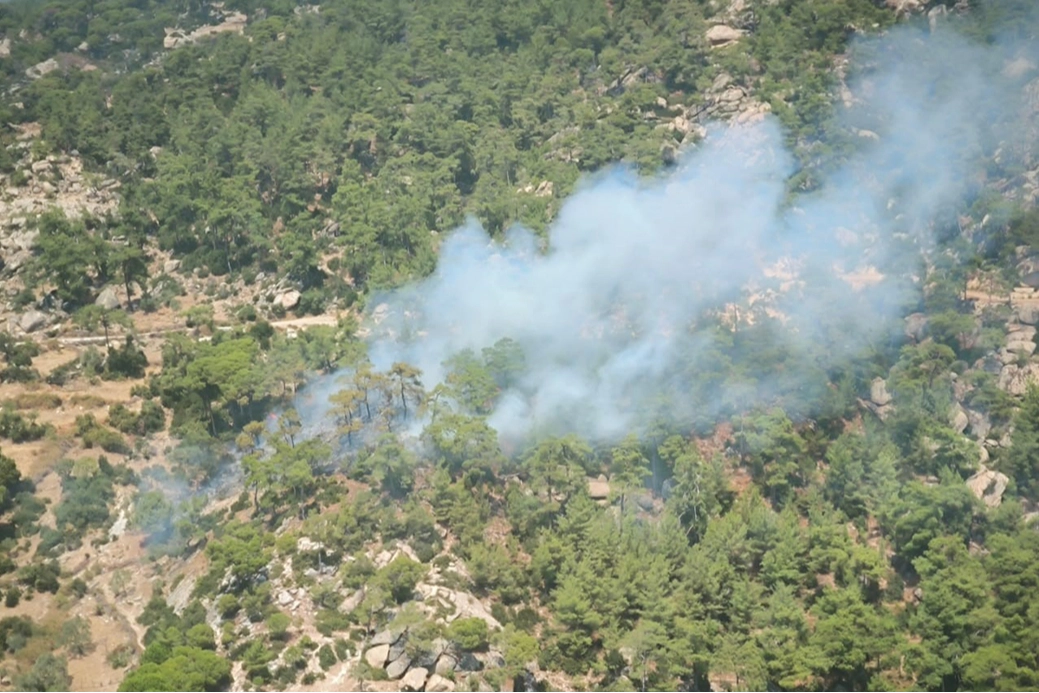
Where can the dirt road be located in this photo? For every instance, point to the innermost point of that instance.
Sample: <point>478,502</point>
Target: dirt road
<point>291,324</point>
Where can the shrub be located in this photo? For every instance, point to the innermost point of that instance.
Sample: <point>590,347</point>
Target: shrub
<point>278,625</point>
<point>20,429</point>
<point>326,657</point>
<point>470,633</point>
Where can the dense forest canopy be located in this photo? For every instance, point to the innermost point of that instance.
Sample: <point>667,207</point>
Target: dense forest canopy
<point>328,255</point>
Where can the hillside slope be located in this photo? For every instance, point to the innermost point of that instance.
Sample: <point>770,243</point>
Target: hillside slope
<point>753,405</point>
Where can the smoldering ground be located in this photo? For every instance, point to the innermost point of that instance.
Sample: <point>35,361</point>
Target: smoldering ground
<point>637,304</point>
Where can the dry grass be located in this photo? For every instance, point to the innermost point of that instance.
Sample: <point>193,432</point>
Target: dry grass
<point>87,401</point>
<point>38,399</point>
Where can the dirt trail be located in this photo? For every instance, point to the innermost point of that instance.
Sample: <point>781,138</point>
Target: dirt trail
<point>290,324</point>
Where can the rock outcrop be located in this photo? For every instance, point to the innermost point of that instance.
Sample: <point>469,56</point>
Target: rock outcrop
<point>438,684</point>
<point>723,35</point>
<point>878,393</point>
<point>414,680</point>
<point>33,320</point>
<point>988,486</point>
<point>288,300</point>
<point>958,419</point>
<point>599,489</point>
<point>108,298</point>
<point>376,656</point>
<point>1015,379</point>
<point>233,22</point>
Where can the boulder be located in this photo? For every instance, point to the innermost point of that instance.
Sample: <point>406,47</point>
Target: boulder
<point>958,419</point>
<point>427,658</point>
<point>397,649</point>
<point>916,326</point>
<point>414,680</point>
<point>446,665</point>
<point>980,424</point>
<point>1028,313</point>
<point>438,684</point>
<point>288,300</point>
<point>171,266</point>
<point>878,392</point>
<point>904,7</point>
<point>32,321</point>
<point>1019,345</point>
<point>397,667</point>
<point>40,69</point>
<point>385,637</point>
<point>722,35</point>
<point>644,501</point>
<point>1016,379</point>
<point>376,656</point>
<point>468,662</point>
<point>491,660</point>
<point>732,95</point>
<point>988,486</point>
<point>598,490</point>
<point>108,298</point>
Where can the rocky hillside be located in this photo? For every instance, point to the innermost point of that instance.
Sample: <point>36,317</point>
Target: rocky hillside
<point>214,478</point>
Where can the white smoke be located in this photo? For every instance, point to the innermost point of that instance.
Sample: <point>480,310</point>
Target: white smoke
<point>611,314</point>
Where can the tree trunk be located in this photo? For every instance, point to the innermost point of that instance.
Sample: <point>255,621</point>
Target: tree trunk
<point>129,295</point>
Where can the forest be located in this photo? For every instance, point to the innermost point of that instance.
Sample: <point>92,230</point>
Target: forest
<point>291,399</point>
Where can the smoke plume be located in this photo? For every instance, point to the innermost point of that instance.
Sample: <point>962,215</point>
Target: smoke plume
<point>646,287</point>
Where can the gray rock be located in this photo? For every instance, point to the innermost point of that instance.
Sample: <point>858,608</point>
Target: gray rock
<point>1015,379</point>
<point>376,656</point>
<point>980,424</point>
<point>16,260</point>
<point>288,300</point>
<point>988,486</point>
<point>171,266</point>
<point>23,240</point>
<point>352,602</point>
<point>397,649</point>
<point>916,326</point>
<point>386,637</point>
<point>414,680</point>
<point>108,298</point>
<point>644,501</point>
<point>33,320</point>
<point>1027,313</point>
<point>438,684</point>
<point>599,490</point>
<point>1025,345</point>
<point>491,659</point>
<point>878,392</point>
<point>958,419</point>
<point>446,665</point>
<point>397,667</point>
<point>722,35</point>
<point>467,662</point>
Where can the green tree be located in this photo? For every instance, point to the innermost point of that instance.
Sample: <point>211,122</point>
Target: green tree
<point>75,636</point>
<point>629,468</point>
<point>399,578</point>
<point>470,634</point>
<point>48,673</point>
<point>408,384</point>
